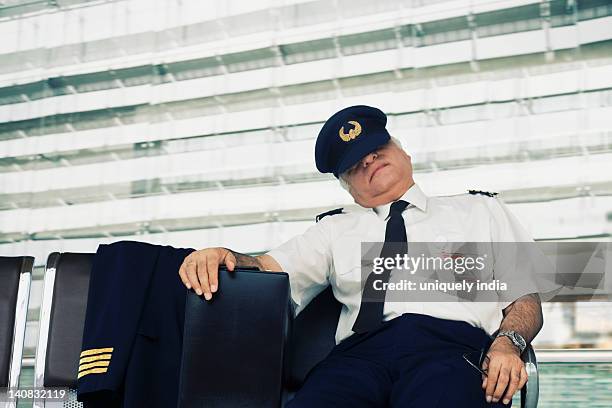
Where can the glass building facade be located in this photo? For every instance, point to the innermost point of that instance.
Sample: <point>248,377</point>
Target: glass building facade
<point>192,123</point>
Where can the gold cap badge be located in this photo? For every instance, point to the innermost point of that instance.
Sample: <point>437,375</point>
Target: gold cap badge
<point>352,134</point>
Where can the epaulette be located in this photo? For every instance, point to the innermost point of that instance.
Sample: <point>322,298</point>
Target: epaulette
<point>487,193</point>
<point>330,212</point>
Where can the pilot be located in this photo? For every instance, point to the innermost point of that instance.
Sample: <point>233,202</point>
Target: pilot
<point>393,353</point>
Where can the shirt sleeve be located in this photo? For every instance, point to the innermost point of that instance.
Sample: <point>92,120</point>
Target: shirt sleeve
<point>307,258</point>
<point>518,260</point>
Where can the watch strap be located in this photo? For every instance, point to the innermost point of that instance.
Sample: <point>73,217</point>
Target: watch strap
<point>512,336</point>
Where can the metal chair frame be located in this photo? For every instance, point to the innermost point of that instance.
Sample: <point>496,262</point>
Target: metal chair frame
<point>19,326</point>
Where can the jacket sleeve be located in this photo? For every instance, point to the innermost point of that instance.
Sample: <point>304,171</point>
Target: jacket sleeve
<point>120,276</point>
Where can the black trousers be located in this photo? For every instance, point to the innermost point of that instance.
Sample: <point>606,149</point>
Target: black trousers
<point>412,361</point>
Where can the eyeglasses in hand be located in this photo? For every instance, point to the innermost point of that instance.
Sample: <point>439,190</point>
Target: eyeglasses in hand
<point>476,358</point>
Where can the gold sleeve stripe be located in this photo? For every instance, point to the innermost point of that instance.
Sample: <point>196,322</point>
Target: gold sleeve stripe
<point>96,351</point>
<point>95,358</point>
<point>94,364</point>
<point>92,371</point>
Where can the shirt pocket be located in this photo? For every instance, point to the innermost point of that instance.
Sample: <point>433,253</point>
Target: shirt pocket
<point>347,267</point>
<point>351,277</point>
<point>347,256</point>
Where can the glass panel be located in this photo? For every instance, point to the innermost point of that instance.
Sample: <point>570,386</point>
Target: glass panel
<point>368,42</point>
<point>589,9</point>
<point>517,19</point>
<point>308,51</point>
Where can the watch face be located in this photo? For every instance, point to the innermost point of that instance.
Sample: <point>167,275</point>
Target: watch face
<point>519,339</point>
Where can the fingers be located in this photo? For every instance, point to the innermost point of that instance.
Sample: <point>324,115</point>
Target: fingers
<point>183,276</point>
<point>190,268</point>
<point>213,274</point>
<point>212,264</point>
<point>200,270</point>
<point>484,367</point>
<point>513,385</point>
<point>203,277</point>
<point>524,377</point>
<point>492,375</point>
<point>230,261</point>
<point>502,382</point>
<point>505,376</point>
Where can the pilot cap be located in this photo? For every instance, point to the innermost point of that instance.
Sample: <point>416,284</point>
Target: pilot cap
<point>348,136</point>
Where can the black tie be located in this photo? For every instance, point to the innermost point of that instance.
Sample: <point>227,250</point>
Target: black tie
<point>373,301</point>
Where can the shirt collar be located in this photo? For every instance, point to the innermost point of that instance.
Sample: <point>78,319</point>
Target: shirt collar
<point>414,195</point>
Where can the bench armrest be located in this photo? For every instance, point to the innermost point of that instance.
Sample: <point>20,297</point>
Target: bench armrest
<point>530,392</point>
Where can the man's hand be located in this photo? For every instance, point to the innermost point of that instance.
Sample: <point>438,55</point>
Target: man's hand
<point>505,371</point>
<point>200,269</point>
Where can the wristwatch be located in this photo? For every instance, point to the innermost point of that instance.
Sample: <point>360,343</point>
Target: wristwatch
<point>515,338</point>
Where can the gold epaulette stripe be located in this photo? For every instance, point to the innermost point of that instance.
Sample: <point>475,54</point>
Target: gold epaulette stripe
<point>92,371</point>
<point>95,358</point>
<point>96,351</point>
<point>94,364</point>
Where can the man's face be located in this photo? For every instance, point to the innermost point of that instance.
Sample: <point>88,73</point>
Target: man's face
<point>381,176</point>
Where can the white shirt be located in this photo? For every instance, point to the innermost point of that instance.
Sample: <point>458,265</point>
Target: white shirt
<point>329,252</point>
